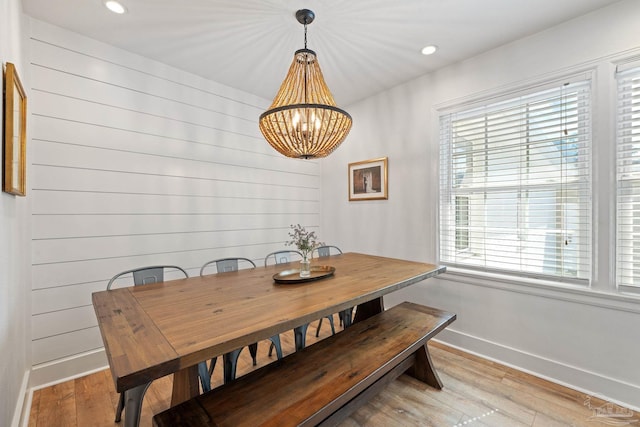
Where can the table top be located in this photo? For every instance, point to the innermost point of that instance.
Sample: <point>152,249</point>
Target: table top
<point>154,330</point>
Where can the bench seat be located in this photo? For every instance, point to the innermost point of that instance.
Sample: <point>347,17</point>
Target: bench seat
<point>323,383</point>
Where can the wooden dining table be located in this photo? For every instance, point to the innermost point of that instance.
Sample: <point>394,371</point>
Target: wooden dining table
<point>168,328</point>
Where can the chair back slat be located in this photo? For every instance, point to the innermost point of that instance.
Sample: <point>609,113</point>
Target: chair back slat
<point>282,257</point>
<point>224,265</point>
<point>324,251</point>
<point>148,275</point>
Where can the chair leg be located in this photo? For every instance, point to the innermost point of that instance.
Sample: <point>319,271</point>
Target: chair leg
<point>120,408</point>
<point>275,343</point>
<point>205,377</point>
<point>346,316</point>
<point>212,365</point>
<point>300,336</point>
<point>333,329</point>
<point>253,350</point>
<point>230,361</point>
<point>318,328</point>
<point>133,404</point>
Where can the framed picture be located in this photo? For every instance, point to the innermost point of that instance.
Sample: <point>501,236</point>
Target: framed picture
<point>15,133</point>
<point>368,180</point>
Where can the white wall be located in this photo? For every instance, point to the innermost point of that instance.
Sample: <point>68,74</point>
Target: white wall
<point>14,245</point>
<point>135,163</point>
<point>583,338</point>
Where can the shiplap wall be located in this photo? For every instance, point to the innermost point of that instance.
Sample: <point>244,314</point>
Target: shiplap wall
<point>135,163</point>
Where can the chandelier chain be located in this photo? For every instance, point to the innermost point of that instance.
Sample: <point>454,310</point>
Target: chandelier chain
<point>305,34</point>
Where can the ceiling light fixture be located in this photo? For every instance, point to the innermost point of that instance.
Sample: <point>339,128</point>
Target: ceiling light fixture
<point>115,7</point>
<point>429,50</point>
<point>303,121</point>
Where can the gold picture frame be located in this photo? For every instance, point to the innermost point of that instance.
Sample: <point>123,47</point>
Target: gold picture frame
<point>15,133</point>
<point>368,180</point>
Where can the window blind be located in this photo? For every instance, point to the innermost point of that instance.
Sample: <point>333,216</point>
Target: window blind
<point>515,186</point>
<point>628,179</point>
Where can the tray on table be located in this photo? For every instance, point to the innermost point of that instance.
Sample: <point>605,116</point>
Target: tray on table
<point>292,276</point>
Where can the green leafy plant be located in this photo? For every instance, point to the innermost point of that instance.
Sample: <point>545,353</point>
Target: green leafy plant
<point>305,241</point>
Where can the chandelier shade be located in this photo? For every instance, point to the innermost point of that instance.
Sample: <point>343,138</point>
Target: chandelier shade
<point>303,121</point>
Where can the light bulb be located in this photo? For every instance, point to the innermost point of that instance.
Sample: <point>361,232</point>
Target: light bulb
<point>115,7</point>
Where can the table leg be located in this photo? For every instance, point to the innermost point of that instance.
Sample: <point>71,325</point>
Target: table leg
<point>368,309</point>
<point>185,385</point>
<point>300,335</point>
<point>133,405</point>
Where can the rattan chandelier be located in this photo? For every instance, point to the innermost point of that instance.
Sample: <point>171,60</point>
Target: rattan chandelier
<point>303,121</point>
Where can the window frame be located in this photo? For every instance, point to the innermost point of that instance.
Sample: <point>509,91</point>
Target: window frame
<point>625,176</point>
<point>488,101</point>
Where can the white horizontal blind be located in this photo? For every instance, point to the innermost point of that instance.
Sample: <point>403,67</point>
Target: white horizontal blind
<point>628,178</point>
<point>515,185</point>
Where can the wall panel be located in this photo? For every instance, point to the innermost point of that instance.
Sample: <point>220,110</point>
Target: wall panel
<point>135,163</point>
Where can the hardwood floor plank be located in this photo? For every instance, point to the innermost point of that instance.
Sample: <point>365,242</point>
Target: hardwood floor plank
<point>93,406</point>
<point>472,385</point>
<point>57,406</point>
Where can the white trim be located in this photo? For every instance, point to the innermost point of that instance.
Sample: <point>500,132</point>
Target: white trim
<point>553,290</point>
<point>23,405</point>
<point>69,368</point>
<point>627,64</point>
<point>590,383</point>
<point>27,409</point>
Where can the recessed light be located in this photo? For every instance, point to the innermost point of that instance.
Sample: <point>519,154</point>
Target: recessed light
<point>428,50</point>
<point>115,7</point>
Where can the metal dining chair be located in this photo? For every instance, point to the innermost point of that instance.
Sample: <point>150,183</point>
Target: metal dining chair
<point>230,360</point>
<point>283,257</point>
<point>145,276</point>
<point>322,252</point>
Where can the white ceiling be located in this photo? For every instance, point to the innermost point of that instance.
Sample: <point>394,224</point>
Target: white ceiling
<point>363,46</point>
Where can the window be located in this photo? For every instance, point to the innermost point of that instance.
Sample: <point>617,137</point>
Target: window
<point>515,186</point>
<point>628,178</point>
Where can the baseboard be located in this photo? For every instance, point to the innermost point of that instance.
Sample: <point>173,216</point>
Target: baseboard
<point>590,383</point>
<point>47,374</point>
<point>23,405</point>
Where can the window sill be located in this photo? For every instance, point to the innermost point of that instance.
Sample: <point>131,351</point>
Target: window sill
<point>545,289</point>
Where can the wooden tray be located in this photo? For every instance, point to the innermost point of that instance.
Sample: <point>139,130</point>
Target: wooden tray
<point>318,272</point>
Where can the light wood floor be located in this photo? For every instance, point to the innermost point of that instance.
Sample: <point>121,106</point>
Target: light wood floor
<point>476,392</point>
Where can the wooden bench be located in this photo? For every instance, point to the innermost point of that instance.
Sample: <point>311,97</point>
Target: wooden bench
<point>323,383</point>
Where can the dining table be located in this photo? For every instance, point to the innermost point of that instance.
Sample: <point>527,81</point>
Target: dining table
<point>167,328</point>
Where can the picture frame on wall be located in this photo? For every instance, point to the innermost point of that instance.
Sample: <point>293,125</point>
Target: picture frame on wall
<point>15,133</point>
<point>368,180</point>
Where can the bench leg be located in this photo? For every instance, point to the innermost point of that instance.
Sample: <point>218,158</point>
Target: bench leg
<point>423,369</point>
<point>133,405</point>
